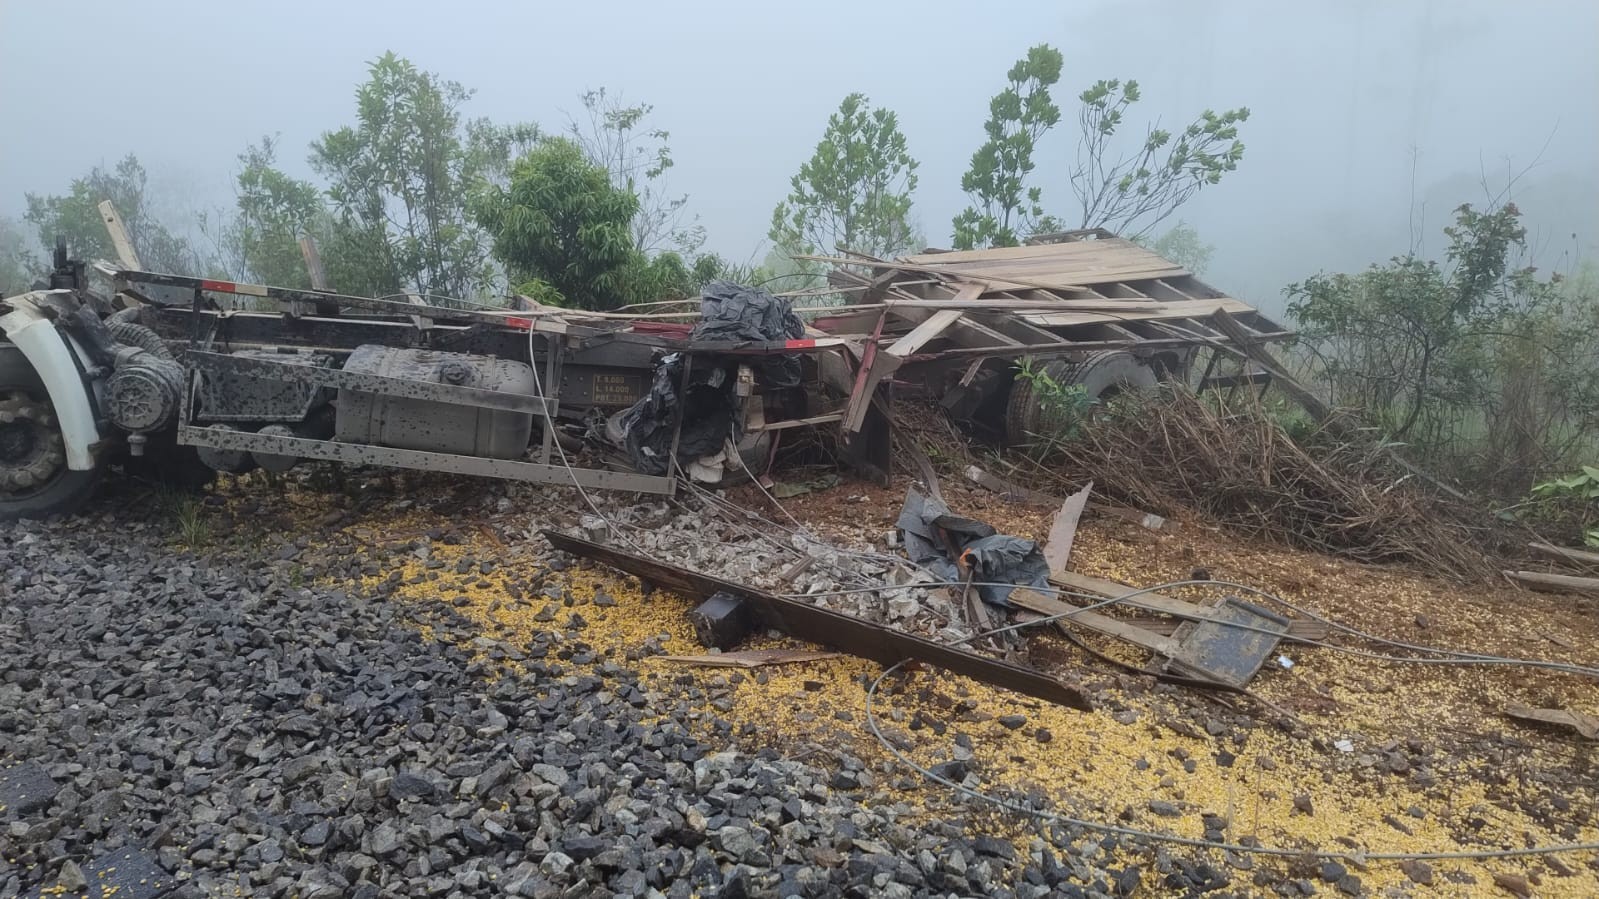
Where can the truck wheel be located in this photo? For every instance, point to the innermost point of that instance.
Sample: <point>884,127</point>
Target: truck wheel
<point>34,479</point>
<point>1102,375</point>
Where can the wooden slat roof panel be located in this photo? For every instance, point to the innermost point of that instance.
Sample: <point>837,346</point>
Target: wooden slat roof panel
<point>1169,310</point>
<point>1107,248</point>
<point>1056,266</point>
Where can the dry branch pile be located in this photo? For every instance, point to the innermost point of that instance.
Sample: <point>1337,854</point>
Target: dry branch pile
<point>1336,489</point>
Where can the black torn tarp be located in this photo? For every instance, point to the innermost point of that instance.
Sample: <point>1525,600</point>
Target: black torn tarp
<point>935,539</point>
<point>646,426</point>
<point>731,311</point>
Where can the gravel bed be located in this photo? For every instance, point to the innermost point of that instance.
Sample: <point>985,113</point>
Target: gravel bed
<point>261,734</point>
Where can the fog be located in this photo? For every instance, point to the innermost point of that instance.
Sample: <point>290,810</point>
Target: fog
<point>1370,120</point>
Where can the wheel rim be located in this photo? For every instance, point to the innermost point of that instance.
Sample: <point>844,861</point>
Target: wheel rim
<point>32,453</point>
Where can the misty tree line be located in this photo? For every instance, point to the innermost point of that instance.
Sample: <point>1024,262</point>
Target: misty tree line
<point>1483,364</point>
<point>416,197</point>
<point>855,191</point>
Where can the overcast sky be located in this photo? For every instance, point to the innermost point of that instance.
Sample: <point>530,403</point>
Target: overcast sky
<point>1357,107</point>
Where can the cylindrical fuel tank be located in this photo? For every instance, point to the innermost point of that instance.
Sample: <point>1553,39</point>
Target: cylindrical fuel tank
<point>427,424</point>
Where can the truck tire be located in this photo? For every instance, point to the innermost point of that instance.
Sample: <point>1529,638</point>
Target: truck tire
<point>136,335</point>
<point>1102,375</point>
<point>34,479</point>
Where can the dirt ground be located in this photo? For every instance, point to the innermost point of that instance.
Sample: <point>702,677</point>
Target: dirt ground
<point>1435,765</point>
<point>1345,753</point>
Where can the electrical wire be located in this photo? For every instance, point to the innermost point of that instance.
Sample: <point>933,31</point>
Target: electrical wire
<point>549,422</point>
<point>1455,656</point>
<point>1101,827</point>
<point>1458,658</point>
<point>1157,836</point>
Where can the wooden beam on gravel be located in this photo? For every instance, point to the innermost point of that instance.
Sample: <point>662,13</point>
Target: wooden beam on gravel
<point>818,624</point>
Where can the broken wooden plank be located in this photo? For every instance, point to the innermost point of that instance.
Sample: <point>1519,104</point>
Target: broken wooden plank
<point>1556,583</point>
<point>127,257</point>
<point>797,569</point>
<point>313,264</point>
<point>1009,305</point>
<point>1007,283</point>
<point>1104,248</point>
<point>935,325</point>
<point>1584,724</point>
<point>1175,309</point>
<point>1147,520</point>
<point>1011,491</point>
<point>1301,629</point>
<point>1034,601</point>
<point>752,658</point>
<point>1245,345</point>
<point>1567,554</point>
<point>846,633</point>
<point>1063,528</point>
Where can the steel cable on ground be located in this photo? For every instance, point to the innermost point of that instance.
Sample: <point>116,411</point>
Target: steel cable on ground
<point>1157,836</point>
<point>1136,833</point>
<point>1458,659</point>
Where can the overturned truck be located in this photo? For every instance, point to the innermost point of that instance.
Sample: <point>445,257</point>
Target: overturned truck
<point>182,377</point>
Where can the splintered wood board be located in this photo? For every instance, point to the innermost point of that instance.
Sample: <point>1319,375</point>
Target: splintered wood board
<point>1298,629</point>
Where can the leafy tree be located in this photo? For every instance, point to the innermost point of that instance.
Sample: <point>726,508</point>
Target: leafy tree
<point>18,265</point>
<point>76,216</point>
<point>562,229</point>
<point>399,179</point>
<point>1439,352</point>
<point>492,149</point>
<point>1183,245</point>
<point>637,158</point>
<point>1003,206</point>
<point>274,212</point>
<point>1137,191</point>
<point>712,267</point>
<point>855,192</point>
<point>259,239</point>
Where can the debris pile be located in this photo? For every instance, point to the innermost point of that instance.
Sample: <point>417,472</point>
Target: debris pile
<point>1334,490</point>
<point>707,534</point>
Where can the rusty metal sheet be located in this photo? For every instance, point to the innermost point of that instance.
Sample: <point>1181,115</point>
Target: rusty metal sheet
<point>1218,649</point>
<point>818,625</point>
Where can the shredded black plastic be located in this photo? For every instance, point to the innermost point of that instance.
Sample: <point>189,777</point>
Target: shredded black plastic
<point>731,311</point>
<point>707,417</point>
<point>998,559</point>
